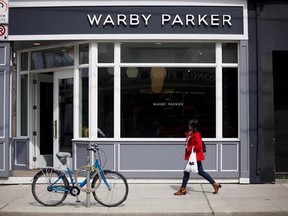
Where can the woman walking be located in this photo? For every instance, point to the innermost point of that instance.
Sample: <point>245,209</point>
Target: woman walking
<point>194,139</point>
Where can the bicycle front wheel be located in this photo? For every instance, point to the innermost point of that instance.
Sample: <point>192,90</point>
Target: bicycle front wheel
<point>116,194</point>
<point>49,187</point>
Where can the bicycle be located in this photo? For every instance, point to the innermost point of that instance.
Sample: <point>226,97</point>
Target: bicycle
<point>50,186</point>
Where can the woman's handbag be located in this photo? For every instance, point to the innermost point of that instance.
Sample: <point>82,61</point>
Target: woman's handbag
<point>191,165</point>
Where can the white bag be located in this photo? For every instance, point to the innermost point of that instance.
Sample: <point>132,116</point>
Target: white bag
<point>191,165</point>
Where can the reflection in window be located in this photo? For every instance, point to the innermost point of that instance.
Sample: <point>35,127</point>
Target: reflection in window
<point>230,103</point>
<point>84,102</point>
<point>83,53</point>
<point>105,102</point>
<point>158,102</point>
<point>24,61</point>
<point>229,53</point>
<point>168,53</point>
<point>65,114</point>
<point>51,58</point>
<point>105,52</point>
<point>24,105</point>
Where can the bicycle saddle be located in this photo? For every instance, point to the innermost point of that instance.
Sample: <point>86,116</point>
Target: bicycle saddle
<point>62,157</point>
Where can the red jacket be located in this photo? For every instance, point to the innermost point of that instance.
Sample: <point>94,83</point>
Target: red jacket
<point>194,139</point>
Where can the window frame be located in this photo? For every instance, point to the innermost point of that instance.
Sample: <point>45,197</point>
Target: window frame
<point>93,66</point>
<point>218,65</point>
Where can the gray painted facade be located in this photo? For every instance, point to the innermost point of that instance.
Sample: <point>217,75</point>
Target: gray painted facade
<point>21,153</point>
<point>5,142</point>
<point>164,159</point>
<point>154,159</point>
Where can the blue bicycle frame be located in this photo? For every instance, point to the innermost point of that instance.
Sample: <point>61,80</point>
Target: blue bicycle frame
<point>54,187</point>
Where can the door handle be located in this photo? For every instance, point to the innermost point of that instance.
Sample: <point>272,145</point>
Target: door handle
<point>55,129</point>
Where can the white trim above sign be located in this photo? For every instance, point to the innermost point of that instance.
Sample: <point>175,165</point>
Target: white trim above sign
<point>112,37</point>
<point>49,3</point>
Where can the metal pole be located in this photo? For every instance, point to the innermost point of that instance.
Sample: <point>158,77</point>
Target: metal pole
<point>88,182</point>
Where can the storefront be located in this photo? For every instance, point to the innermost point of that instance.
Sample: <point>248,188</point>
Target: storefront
<point>129,77</point>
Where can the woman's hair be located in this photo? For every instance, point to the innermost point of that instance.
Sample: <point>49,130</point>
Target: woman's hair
<point>194,124</point>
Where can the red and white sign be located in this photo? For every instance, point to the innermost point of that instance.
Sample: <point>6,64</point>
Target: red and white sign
<point>3,32</point>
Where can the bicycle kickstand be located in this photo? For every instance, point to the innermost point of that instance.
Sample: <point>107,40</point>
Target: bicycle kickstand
<point>77,199</point>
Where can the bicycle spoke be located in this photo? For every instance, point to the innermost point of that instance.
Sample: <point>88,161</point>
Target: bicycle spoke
<point>115,194</point>
<point>48,188</point>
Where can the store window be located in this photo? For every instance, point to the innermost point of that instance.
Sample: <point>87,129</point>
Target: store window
<point>106,102</point>
<point>52,58</point>
<point>159,101</point>
<point>105,52</point>
<point>24,61</point>
<point>83,54</point>
<point>161,86</point>
<point>84,102</point>
<point>66,116</point>
<point>24,105</point>
<point>168,53</point>
<point>230,90</point>
<point>230,102</point>
<point>229,53</point>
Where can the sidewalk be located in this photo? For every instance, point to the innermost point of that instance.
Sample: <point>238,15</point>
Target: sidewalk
<point>158,200</point>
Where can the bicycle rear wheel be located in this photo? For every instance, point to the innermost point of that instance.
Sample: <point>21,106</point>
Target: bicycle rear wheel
<point>117,193</point>
<point>49,187</point>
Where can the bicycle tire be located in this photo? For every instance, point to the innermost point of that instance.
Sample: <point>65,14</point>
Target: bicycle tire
<point>119,189</point>
<point>40,187</point>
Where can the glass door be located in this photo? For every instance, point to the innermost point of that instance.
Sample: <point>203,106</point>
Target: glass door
<point>44,110</point>
<point>63,113</point>
<point>280,112</point>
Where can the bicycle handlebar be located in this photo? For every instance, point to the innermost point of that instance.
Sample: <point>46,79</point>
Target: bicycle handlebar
<point>94,147</point>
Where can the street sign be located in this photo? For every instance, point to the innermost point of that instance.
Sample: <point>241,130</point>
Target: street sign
<point>3,11</point>
<point>3,32</point>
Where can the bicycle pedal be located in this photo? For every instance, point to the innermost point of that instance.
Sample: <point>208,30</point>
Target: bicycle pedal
<point>78,201</point>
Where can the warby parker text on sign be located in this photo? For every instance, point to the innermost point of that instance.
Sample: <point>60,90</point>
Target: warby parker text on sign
<point>166,19</point>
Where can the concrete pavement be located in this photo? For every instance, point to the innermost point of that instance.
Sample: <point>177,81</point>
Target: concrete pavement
<point>155,199</point>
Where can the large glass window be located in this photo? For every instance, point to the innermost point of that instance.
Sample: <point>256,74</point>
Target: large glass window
<point>168,53</point>
<point>84,102</point>
<point>24,105</point>
<point>52,58</point>
<point>230,91</point>
<point>161,86</point>
<point>229,53</point>
<point>105,102</point>
<point>158,102</point>
<point>24,61</point>
<point>106,52</point>
<point>230,102</point>
<point>83,53</point>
